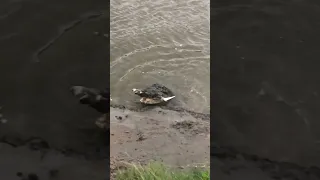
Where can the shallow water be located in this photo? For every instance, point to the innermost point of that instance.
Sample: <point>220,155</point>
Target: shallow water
<point>163,41</point>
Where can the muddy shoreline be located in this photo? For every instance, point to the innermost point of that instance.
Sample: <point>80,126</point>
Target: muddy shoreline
<point>36,156</point>
<point>142,108</point>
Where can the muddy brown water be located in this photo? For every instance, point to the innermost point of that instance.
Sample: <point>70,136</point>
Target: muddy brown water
<point>163,41</point>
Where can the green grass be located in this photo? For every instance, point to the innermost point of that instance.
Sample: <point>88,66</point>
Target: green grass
<point>158,171</point>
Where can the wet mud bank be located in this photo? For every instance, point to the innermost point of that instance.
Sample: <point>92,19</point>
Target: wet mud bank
<point>182,140</point>
<point>168,107</point>
<point>176,138</point>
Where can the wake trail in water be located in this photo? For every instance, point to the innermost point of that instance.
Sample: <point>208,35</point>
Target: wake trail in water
<point>161,41</point>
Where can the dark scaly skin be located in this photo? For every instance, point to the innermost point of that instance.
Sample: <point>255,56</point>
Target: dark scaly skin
<point>156,91</point>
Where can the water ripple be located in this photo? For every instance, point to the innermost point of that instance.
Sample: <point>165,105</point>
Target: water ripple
<point>164,41</point>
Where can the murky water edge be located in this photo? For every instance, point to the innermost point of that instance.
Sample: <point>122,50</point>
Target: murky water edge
<point>161,41</point>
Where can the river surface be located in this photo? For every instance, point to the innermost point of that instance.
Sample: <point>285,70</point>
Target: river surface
<point>163,41</point>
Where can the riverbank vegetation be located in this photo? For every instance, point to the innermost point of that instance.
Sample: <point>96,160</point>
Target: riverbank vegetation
<point>159,171</point>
